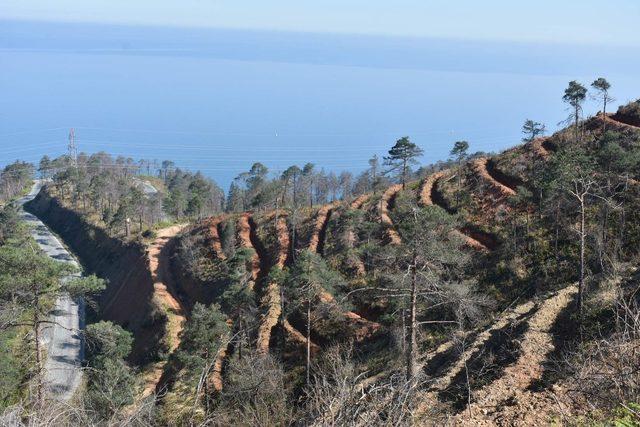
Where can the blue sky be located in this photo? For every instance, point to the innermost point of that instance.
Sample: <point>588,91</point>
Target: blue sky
<point>586,21</point>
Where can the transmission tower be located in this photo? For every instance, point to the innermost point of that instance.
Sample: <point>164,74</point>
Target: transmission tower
<point>73,149</point>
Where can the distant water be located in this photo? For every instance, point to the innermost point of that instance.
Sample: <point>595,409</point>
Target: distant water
<point>219,100</point>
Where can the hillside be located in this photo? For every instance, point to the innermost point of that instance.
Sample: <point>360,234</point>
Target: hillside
<point>504,307</point>
<point>493,289</point>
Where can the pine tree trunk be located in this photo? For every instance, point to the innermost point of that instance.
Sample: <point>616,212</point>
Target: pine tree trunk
<point>308,341</point>
<point>36,348</point>
<point>577,117</point>
<point>581,281</point>
<point>411,342</point>
<point>404,174</point>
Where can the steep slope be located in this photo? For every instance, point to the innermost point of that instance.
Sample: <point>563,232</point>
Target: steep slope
<point>64,346</point>
<point>318,236</point>
<point>504,357</point>
<point>509,400</point>
<point>498,188</point>
<point>271,296</point>
<point>386,204</point>
<point>128,299</point>
<point>165,296</point>
<point>427,199</point>
<point>245,241</point>
<point>214,234</point>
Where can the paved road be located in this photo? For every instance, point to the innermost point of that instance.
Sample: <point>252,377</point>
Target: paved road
<point>149,190</point>
<point>146,187</point>
<point>64,343</point>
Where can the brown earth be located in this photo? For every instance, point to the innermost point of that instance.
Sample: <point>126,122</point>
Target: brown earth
<point>164,293</point>
<point>214,235</point>
<point>215,379</point>
<point>358,265</point>
<point>359,201</point>
<point>443,379</point>
<point>500,189</point>
<point>426,189</point>
<point>244,240</point>
<point>294,335</point>
<point>316,243</point>
<point>271,297</point>
<point>622,120</point>
<point>538,147</point>
<point>509,400</point>
<point>387,201</point>
<point>426,198</point>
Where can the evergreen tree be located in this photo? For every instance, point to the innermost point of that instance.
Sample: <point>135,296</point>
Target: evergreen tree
<point>401,156</point>
<point>602,86</point>
<point>111,384</point>
<point>309,278</point>
<point>575,95</point>
<point>459,153</point>
<point>532,130</point>
<point>29,281</point>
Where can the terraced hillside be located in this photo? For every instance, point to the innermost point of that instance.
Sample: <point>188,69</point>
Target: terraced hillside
<point>487,327</point>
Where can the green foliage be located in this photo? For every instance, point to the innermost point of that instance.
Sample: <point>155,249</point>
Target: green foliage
<point>459,150</point>
<point>627,416</point>
<point>11,228</point>
<point>238,298</point>
<point>309,277</point>
<point>402,156</point>
<point>105,340</point>
<point>201,338</point>
<point>532,130</point>
<point>14,367</point>
<point>14,178</point>
<point>574,94</point>
<point>111,384</point>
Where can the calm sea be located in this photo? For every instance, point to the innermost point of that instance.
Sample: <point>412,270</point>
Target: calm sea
<point>219,100</point>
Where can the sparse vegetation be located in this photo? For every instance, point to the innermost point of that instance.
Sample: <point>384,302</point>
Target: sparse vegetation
<point>490,289</point>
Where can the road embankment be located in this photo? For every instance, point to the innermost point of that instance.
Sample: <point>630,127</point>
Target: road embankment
<point>127,300</point>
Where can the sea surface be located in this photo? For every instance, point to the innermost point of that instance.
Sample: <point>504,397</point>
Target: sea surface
<point>220,100</point>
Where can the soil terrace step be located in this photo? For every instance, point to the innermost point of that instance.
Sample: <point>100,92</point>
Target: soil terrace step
<point>388,198</point>
<point>502,190</point>
<point>509,400</point>
<point>214,235</point>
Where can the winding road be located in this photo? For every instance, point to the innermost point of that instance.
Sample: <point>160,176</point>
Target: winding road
<point>63,340</point>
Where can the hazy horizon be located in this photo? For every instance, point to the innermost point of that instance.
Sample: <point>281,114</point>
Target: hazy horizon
<point>218,100</point>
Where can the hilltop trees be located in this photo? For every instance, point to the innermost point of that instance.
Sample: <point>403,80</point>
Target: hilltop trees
<point>532,130</point>
<point>108,190</point>
<point>575,95</point>
<point>192,195</point>
<point>459,153</point>
<point>401,157</point>
<point>13,179</point>
<point>602,86</point>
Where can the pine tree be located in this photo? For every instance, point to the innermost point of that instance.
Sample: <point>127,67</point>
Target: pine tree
<point>532,130</point>
<point>401,156</point>
<point>575,95</point>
